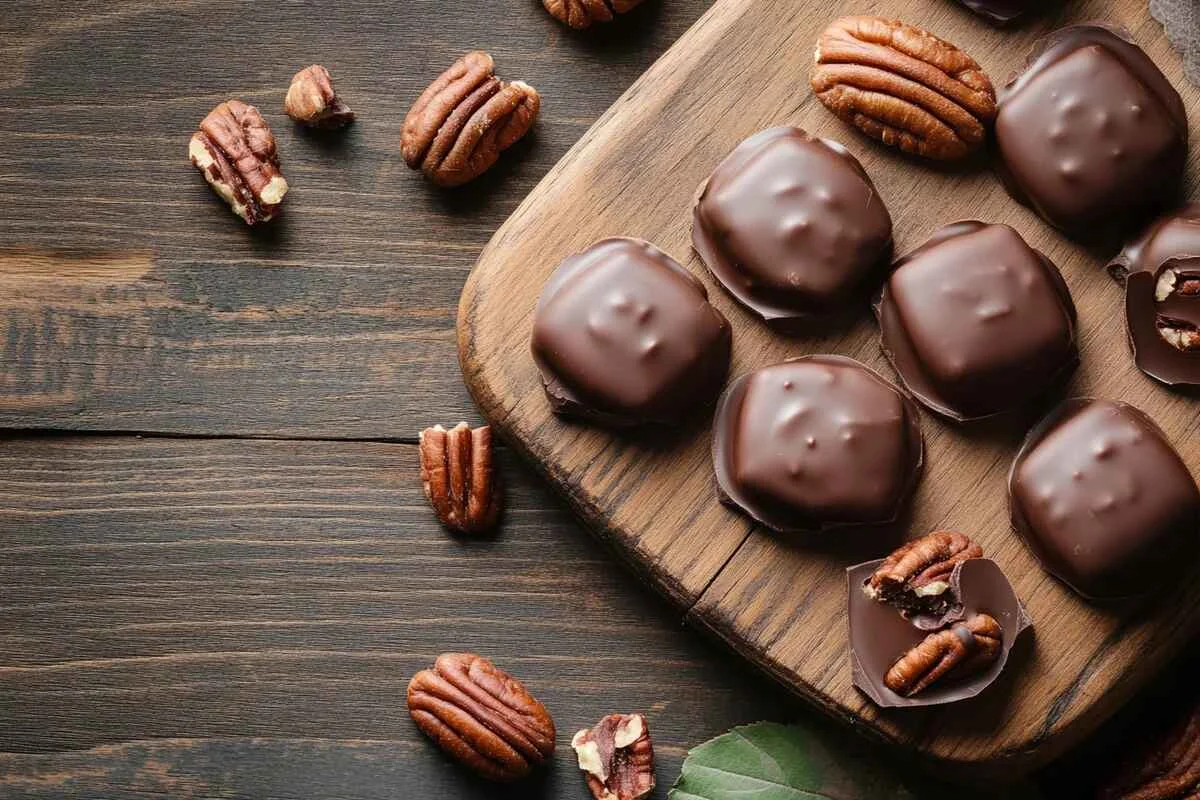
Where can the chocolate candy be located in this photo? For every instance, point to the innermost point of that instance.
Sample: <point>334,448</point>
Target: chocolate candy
<point>792,226</point>
<point>1103,501</point>
<point>976,322</point>
<point>1161,270</point>
<point>879,635</point>
<point>1091,134</point>
<point>624,335</point>
<point>814,443</point>
<point>1003,12</point>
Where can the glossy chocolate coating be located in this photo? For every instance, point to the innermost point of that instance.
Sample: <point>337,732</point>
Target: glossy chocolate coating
<point>879,635</point>
<point>1104,501</point>
<point>1091,134</point>
<point>624,335</point>
<point>1003,12</point>
<point>816,442</point>
<point>791,226</point>
<point>1173,235</point>
<point>976,322</point>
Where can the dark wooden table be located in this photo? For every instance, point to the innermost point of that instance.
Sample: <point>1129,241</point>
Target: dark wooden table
<point>217,571</point>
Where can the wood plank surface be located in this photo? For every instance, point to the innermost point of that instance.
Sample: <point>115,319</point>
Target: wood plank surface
<point>743,67</point>
<point>241,618</point>
<point>132,300</point>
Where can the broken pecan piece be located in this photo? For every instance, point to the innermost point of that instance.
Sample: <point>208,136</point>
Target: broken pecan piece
<point>235,151</point>
<point>617,757</point>
<point>955,652</point>
<point>582,13</point>
<point>1168,768</point>
<point>916,577</point>
<point>312,101</point>
<point>904,86</point>
<point>459,477</point>
<point>459,125</point>
<point>1180,288</point>
<point>482,716</point>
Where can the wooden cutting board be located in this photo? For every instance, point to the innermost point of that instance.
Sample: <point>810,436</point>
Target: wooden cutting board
<point>744,66</point>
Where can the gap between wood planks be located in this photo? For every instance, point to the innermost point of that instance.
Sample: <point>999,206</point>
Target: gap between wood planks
<point>56,433</point>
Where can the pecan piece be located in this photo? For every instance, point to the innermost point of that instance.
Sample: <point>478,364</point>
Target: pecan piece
<point>1168,768</point>
<point>916,577</point>
<point>581,14</point>
<point>459,125</point>
<point>617,757</point>
<point>482,716</point>
<point>954,652</point>
<point>1180,287</point>
<point>459,477</point>
<point>904,86</point>
<point>235,151</point>
<point>312,101</point>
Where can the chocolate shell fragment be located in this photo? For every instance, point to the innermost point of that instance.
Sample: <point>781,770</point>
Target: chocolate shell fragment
<point>881,639</point>
<point>1091,135</point>
<point>976,322</point>
<point>1104,501</point>
<point>792,226</point>
<point>816,442</point>
<point>623,335</point>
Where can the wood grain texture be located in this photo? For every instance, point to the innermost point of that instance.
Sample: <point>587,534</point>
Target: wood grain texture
<point>132,300</point>
<point>743,67</point>
<point>240,618</point>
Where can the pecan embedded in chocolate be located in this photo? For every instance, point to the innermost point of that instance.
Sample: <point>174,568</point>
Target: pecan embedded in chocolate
<point>235,151</point>
<point>917,577</point>
<point>959,651</point>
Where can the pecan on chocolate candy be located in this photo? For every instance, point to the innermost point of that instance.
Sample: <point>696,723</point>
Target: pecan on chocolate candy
<point>459,126</point>
<point>459,477</point>
<point>482,716</point>
<point>1167,769</point>
<point>964,649</point>
<point>617,757</point>
<point>312,101</point>
<point>916,576</point>
<point>1176,283</point>
<point>582,13</point>
<point>235,151</point>
<point>904,86</point>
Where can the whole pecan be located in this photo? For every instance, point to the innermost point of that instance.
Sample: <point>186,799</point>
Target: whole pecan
<point>312,101</point>
<point>459,477</point>
<point>921,568</point>
<point>235,151</point>
<point>954,652</point>
<point>904,86</point>
<point>1167,768</point>
<point>582,13</point>
<point>617,757</point>
<point>482,716</point>
<point>459,125</point>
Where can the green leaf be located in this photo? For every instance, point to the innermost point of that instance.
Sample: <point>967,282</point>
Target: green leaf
<point>769,761</point>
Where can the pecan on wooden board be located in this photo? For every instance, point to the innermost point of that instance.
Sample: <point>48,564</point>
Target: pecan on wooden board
<point>617,757</point>
<point>581,14</point>
<point>234,150</point>
<point>955,652</point>
<point>459,477</point>
<point>1167,768</point>
<point>904,86</point>
<point>460,124</point>
<point>481,716</point>
<point>311,100</point>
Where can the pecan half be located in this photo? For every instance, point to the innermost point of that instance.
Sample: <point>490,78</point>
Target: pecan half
<point>459,125</point>
<point>1167,769</point>
<point>482,716</point>
<point>582,13</point>
<point>459,477</point>
<point>904,86</point>
<point>1182,288</point>
<point>312,101</point>
<point>617,757</point>
<point>917,575</point>
<point>235,151</point>
<point>955,652</point>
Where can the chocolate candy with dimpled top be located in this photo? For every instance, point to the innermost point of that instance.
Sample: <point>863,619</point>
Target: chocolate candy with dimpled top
<point>816,442</point>
<point>623,335</point>
<point>1104,501</point>
<point>976,322</point>
<point>1161,271</point>
<point>792,226</point>
<point>1091,135</point>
